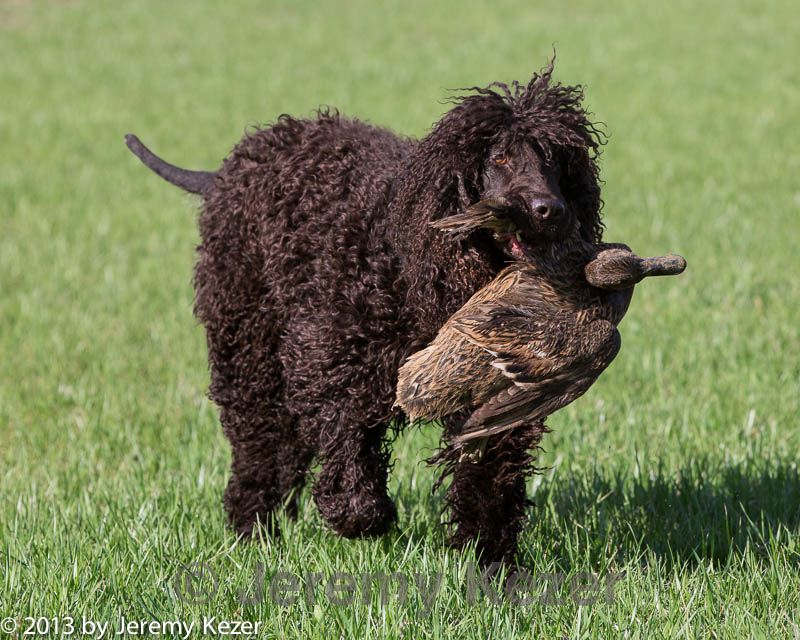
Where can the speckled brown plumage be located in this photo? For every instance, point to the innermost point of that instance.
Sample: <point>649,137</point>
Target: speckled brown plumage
<point>531,341</point>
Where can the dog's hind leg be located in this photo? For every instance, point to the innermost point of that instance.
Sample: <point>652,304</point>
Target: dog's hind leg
<point>267,470</point>
<point>487,499</point>
<point>269,464</point>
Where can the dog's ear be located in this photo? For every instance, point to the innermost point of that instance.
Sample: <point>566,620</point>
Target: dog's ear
<point>454,152</point>
<point>580,185</point>
<point>444,177</point>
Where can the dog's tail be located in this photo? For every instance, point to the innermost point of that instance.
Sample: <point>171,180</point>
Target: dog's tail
<point>192,181</point>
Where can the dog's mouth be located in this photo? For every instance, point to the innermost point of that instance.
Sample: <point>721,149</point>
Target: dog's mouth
<point>502,225</point>
<point>513,233</point>
<point>515,244</point>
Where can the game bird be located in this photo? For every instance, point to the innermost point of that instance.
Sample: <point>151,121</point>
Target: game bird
<point>531,341</point>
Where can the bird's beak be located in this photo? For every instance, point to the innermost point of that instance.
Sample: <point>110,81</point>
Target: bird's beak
<point>668,265</point>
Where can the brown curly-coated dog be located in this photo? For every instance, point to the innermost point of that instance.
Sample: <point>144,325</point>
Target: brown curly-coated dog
<point>319,273</point>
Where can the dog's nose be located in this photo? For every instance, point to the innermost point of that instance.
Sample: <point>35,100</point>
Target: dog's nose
<point>548,208</point>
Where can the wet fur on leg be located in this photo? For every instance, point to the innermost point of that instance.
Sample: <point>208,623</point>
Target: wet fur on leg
<point>350,489</point>
<point>487,501</point>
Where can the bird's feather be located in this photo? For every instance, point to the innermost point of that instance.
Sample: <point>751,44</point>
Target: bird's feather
<point>522,404</point>
<point>486,214</point>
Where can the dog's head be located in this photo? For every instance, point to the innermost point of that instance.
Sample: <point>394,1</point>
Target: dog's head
<point>530,146</point>
<point>521,205</point>
<point>534,211</point>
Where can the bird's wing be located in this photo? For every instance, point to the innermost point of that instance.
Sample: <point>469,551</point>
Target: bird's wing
<point>545,355</point>
<point>520,404</point>
<point>487,214</point>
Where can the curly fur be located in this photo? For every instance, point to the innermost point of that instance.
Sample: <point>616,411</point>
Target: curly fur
<point>486,498</point>
<point>318,274</point>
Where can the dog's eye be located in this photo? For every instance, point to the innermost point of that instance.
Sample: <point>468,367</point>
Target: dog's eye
<point>500,160</point>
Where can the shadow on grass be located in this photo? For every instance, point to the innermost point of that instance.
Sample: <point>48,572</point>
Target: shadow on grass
<point>708,510</point>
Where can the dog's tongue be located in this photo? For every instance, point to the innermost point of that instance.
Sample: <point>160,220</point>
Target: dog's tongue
<point>517,248</point>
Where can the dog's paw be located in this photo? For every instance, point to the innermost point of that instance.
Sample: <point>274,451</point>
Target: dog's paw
<point>359,516</point>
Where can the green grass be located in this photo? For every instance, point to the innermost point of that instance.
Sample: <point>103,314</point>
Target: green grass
<point>679,467</point>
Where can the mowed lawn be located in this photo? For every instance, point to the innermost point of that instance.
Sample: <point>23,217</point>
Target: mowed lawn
<point>676,476</point>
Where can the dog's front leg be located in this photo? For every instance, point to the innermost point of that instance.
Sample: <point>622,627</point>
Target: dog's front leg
<point>350,488</point>
<point>486,499</point>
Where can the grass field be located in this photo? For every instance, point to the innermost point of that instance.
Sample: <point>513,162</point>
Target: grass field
<point>677,473</point>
